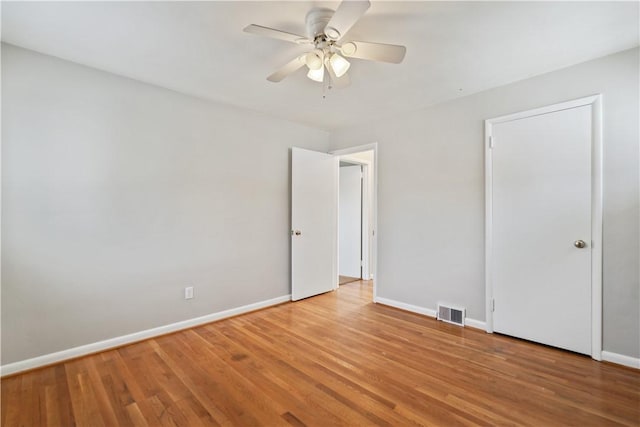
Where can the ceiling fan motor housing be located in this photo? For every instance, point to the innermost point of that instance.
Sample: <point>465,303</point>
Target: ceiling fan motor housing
<point>317,20</point>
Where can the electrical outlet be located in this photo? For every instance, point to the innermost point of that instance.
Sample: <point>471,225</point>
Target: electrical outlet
<point>188,292</point>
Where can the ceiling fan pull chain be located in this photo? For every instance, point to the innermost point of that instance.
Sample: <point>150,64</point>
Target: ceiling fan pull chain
<point>326,83</point>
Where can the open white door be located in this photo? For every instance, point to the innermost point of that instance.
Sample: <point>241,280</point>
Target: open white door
<point>314,213</point>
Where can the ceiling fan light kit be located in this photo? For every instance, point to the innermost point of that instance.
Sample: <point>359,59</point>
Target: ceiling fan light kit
<point>316,75</point>
<point>314,59</point>
<point>339,64</point>
<point>325,28</point>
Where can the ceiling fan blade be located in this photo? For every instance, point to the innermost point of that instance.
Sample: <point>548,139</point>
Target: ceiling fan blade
<point>347,14</point>
<point>374,51</point>
<point>276,34</point>
<point>287,69</point>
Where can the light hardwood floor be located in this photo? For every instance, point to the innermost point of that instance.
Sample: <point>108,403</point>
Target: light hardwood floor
<point>336,359</point>
<point>342,280</point>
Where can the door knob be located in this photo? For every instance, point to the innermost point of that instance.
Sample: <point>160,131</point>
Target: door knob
<point>579,244</point>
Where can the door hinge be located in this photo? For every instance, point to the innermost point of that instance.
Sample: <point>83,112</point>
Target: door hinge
<point>493,305</point>
<point>361,263</point>
<point>491,142</point>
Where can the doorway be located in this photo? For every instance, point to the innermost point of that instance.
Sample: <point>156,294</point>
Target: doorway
<point>314,218</point>
<point>357,215</point>
<point>350,222</point>
<point>544,225</point>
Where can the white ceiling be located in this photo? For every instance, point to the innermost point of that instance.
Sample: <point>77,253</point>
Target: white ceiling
<point>199,48</point>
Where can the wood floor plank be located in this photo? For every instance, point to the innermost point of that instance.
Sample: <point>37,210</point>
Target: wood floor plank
<point>10,397</point>
<point>136,416</point>
<point>83,399</point>
<point>335,359</point>
<point>105,407</point>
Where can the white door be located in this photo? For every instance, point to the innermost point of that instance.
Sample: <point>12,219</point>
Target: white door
<point>541,228</point>
<point>314,214</point>
<point>350,221</point>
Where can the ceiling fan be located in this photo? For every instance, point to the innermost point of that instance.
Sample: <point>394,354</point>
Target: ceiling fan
<point>325,29</point>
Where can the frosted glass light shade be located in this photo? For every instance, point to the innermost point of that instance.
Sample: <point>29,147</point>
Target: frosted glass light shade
<point>316,75</point>
<point>313,59</point>
<point>339,64</point>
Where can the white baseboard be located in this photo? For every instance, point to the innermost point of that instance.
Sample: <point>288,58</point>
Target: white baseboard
<point>405,306</point>
<point>476,324</point>
<point>48,359</point>
<point>472,323</point>
<point>621,359</point>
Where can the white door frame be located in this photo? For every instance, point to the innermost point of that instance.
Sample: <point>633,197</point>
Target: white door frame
<point>596,211</point>
<point>373,223</point>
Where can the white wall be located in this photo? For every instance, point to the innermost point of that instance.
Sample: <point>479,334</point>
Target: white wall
<point>117,194</point>
<point>350,221</point>
<point>431,192</point>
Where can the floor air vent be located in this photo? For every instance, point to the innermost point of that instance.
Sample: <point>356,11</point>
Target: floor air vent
<point>451,314</point>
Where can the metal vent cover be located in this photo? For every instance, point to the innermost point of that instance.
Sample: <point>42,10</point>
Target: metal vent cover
<point>450,314</point>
